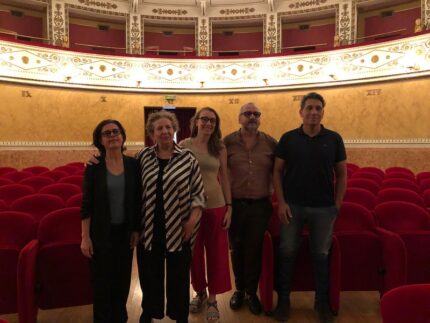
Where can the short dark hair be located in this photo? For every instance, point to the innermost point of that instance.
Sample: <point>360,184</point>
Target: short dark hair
<point>312,95</point>
<point>97,135</point>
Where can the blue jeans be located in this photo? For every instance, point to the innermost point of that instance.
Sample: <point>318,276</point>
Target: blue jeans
<point>320,223</point>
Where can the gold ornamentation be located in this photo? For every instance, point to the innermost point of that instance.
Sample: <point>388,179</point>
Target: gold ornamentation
<point>178,12</point>
<point>98,3</point>
<point>236,11</point>
<point>345,25</point>
<point>270,46</point>
<point>301,4</point>
<point>203,38</point>
<point>58,26</point>
<point>135,36</point>
<point>418,27</point>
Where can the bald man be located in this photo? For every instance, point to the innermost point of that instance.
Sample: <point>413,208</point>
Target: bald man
<point>250,158</point>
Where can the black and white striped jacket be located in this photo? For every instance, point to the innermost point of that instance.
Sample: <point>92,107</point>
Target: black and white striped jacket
<point>182,191</point>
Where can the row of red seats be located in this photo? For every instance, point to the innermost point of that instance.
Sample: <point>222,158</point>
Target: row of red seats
<point>70,168</point>
<point>42,268</point>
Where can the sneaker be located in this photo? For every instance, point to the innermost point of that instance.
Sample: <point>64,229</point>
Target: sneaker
<point>236,301</point>
<point>324,313</point>
<point>282,311</point>
<point>254,304</point>
<point>196,304</point>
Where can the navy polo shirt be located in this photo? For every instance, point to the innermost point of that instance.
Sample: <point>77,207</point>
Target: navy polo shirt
<point>309,166</point>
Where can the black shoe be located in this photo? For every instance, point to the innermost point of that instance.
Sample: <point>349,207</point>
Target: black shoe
<point>324,313</point>
<point>236,301</point>
<point>282,311</point>
<point>254,304</point>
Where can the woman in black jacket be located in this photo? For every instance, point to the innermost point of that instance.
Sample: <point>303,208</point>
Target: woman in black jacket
<point>110,215</point>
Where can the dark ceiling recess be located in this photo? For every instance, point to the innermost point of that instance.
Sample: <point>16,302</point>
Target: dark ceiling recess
<point>167,33</point>
<point>387,13</point>
<point>227,33</point>
<point>303,27</point>
<point>103,27</point>
<point>16,13</point>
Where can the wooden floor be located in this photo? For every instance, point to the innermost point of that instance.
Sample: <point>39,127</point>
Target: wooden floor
<point>355,307</point>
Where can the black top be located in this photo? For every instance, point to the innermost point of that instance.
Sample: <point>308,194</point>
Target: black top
<point>95,201</point>
<point>309,166</point>
<point>159,214</point>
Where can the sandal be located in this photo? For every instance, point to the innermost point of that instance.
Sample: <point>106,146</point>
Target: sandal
<point>196,304</point>
<point>212,314</point>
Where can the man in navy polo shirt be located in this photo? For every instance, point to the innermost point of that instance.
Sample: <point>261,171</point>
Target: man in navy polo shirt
<point>309,179</point>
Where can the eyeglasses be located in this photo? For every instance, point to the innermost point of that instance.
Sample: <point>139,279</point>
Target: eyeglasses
<point>206,120</point>
<point>111,133</point>
<point>248,114</point>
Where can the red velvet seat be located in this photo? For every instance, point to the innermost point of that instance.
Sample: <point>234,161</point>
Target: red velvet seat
<point>79,165</point>
<point>409,303</point>
<point>5,181</point>
<point>363,248</point>
<point>426,196</point>
<point>400,183</point>
<point>360,196</point>
<point>75,200</point>
<point>36,170</point>
<point>400,194</point>
<point>17,176</point>
<point>412,224</point>
<point>425,184</point>
<point>371,169</point>
<point>397,169</point>
<point>401,175</point>
<point>364,183</point>
<point>11,192</point>
<point>422,176</point>
<point>37,205</point>
<point>3,206</point>
<point>5,170</point>
<point>367,175</point>
<point>16,230</point>
<point>55,264</point>
<point>68,169</point>
<point>73,179</point>
<point>351,169</point>
<point>63,190</point>
<point>55,174</point>
<point>37,182</point>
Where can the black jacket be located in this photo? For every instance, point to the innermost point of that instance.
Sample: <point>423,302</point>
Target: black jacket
<point>95,201</point>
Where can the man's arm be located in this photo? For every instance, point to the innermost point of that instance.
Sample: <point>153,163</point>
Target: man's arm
<point>284,212</point>
<point>340,172</point>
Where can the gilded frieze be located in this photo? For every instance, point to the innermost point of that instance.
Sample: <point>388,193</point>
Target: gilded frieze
<point>203,39</point>
<point>271,40</point>
<point>163,11</point>
<point>98,3</point>
<point>238,11</point>
<point>308,3</point>
<point>135,36</point>
<point>344,25</point>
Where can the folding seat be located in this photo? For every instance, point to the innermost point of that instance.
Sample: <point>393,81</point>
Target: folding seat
<point>3,206</point>
<point>400,183</point>
<point>360,196</point>
<point>37,205</point>
<point>425,184</point>
<point>68,169</point>
<point>55,174</point>
<point>37,182</point>
<point>412,224</point>
<point>36,170</point>
<point>352,166</point>
<point>75,200</point>
<point>364,183</point>
<point>11,192</point>
<point>403,170</point>
<point>63,190</point>
<point>400,194</point>
<point>375,170</point>
<point>367,175</point>
<point>55,265</point>
<point>422,176</point>
<point>409,303</point>
<point>17,176</point>
<point>364,249</point>
<point>401,175</point>
<point>73,179</point>
<point>16,230</point>
<point>426,196</point>
<point>5,170</point>
<point>5,181</point>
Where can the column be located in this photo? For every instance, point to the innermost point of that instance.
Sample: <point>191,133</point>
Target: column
<point>134,34</point>
<point>346,23</point>
<point>272,39</point>
<point>425,14</point>
<point>58,26</point>
<point>204,37</point>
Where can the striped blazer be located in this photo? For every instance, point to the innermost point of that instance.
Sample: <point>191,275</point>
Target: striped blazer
<point>182,191</point>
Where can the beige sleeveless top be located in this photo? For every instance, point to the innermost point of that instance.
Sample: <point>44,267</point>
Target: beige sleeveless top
<point>209,168</point>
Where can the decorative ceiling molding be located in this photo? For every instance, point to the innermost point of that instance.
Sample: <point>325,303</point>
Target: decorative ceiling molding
<point>397,59</point>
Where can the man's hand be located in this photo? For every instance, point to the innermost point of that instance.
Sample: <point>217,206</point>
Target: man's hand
<point>87,247</point>
<point>284,212</point>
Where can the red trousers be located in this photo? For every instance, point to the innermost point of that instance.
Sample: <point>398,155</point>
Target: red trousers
<point>214,239</point>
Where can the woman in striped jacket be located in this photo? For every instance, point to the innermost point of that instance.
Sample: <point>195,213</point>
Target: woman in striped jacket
<point>173,198</point>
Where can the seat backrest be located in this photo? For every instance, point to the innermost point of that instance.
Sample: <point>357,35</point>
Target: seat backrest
<point>399,216</point>
<point>63,190</point>
<point>37,182</point>
<point>5,170</point>
<point>426,196</point>
<point>372,176</point>
<point>36,169</point>
<point>408,303</point>
<point>397,169</point>
<point>16,229</point>
<point>3,206</point>
<point>400,183</point>
<point>360,196</point>
<point>354,217</point>
<point>374,170</point>
<point>38,205</point>
<point>5,181</point>
<point>401,175</point>
<point>68,169</point>
<point>364,183</point>
<point>11,192</point>
<point>425,184</point>
<point>17,176</point>
<point>422,175</point>
<point>55,174</point>
<point>73,179</point>
<point>400,194</point>
<point>75,200</point>
<point>79,165</point>
<point>60,225</point>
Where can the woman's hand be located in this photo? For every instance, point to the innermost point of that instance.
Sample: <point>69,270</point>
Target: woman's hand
<point>87,247</point>
<point>227,218</point>
<point>134,240</point>
<point>188,228</point>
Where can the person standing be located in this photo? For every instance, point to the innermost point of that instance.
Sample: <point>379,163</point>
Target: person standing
<point>110,221</point>
<point>206,144</point>
<point>309,178</point>
<point>250,157</point>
